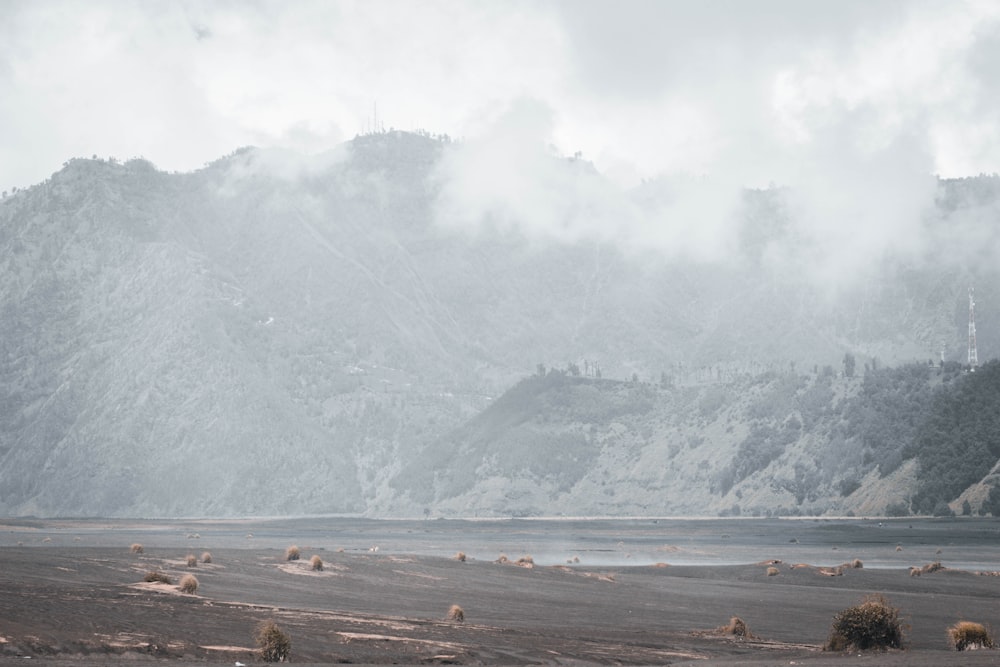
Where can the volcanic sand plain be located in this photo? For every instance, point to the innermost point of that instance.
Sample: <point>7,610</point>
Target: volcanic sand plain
<point>72,592</point>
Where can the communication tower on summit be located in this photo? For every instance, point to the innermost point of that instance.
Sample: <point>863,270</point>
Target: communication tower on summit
<point>973,355</point>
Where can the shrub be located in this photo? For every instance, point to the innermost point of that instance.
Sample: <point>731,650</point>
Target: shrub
<point>273,645</point>
<point>317,563</point>
<point>460,556</point>
<point>136,548</point>
<point>456,613</point>
<point>292,553</point>
<point>157,577</point>
<point>872,624</point>
<point>525,561</point>
<point>206,557</point>
<point>738,628</point>
<point>966,634</point>
<point>192,560</point>
<point>857,564</point>
<point>503,559</point>
<point>930,568</point>
<point>189,584</point>
<point>773,571</point>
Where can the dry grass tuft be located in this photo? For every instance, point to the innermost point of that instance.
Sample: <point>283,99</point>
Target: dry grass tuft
<point>738,628</point>
<point>136,548</point>
<point>460,556</point>
<point>189,584</point>
<point>773,571</point>
<point>456,613</point>
<point>968,635</point>
<point>873,624</point>
<point>273,645</point>
<point>192,560</point>
<point>899,548</point>
<point>292,553</point>
<point>157,577</point>
<point>206,557</point>
<point>316,563</point>
<point>930,568</point>
<point>503,559</point>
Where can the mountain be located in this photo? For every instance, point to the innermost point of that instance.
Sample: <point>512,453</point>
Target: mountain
<point>277,334</point>
<point>921,438</point>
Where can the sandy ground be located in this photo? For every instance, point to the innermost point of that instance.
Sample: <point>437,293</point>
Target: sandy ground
<point>67,599</point>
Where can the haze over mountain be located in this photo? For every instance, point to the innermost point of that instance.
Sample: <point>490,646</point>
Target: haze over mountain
<point>278,334</point>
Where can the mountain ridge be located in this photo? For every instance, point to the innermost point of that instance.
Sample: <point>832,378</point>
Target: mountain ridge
<point>276,334</point>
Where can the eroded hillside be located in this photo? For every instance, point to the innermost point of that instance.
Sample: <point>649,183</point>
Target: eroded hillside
<point>276,334</point>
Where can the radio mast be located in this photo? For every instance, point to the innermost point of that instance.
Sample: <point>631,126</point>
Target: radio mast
<point>973,355</point>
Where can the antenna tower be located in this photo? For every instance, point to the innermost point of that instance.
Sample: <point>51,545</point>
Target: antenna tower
<point>973,355</point>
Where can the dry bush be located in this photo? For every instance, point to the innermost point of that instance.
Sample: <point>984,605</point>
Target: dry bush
<point>157,577</point>
<point>856,564</point>
<point>273,645</point>
<point>292,553</point>
<point>189,584</point>
<point>503,559</point>
<point>460,556</point>
<point>206,557</point>
<point>931,567</point>
<point>738,628</point>
<point>872,624</point>
<point>773,571</point>
<point>316,563</point>
<point>525,561</point>
<point>136,548</point>
<point>456,613</point>
<point>969,635</point>
<point>899,548</point>
<point>192,560</point>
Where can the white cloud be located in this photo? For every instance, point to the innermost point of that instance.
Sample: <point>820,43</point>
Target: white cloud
<point>852,104</point>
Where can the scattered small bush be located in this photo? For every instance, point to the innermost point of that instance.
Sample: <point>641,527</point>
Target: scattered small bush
<point>930,568</point>
<point>206,557</point>
<point>292,553</point>
<point>857,564</point>
<point>460,556</point>
<point>773,571</point>
<point>525,561</point>
<point>157,577</point>
<point>273,645</point>
<point>968,635</point>
<point>737,628</point>
<point>136,548</point>
<point>456,613</point>
<point>873,624</point>
<point>192,560</point>
<point>317,563</point>
<point>503,559</point>
<point>189,584</point>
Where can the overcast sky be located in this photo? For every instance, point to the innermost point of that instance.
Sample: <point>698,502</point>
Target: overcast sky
<point>743,91</point>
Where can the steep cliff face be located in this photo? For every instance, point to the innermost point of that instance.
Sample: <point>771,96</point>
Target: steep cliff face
<point>277,334</point>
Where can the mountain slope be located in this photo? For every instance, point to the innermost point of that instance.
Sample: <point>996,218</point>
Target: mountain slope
<point>277,334</point>
<point>761,445</point>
